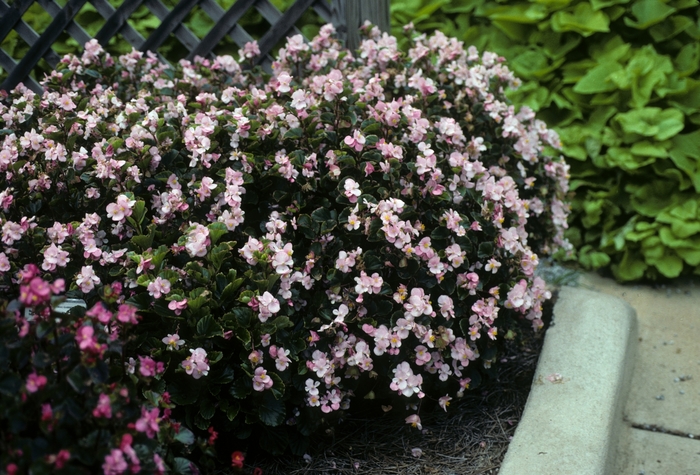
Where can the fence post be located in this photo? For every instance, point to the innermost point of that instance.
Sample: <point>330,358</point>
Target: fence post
<point>349,15</point>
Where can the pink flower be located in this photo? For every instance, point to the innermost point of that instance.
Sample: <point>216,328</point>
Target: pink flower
<point>158,287</point>
<point>268,305</point>
<point>149,367</point>
<point>148,422</point>
<point>4,263</point>
<point>100,312</point>
<point>352,190</point>
<point>87,279</point>
<point>35,382</point>
<point>104,407</point>
<point>127,314</point>
<point>114,463</point>
<point>356,141</point>
<point>173,342</point>
<point>261,381</point>
<point>177,306</point>
<point>121,209</point>
<point>414,420</point>
<point>282,260</point>
<point>85,338</point>
<point>36,293</point>
<point>444,402</point>
<point>196,364</point>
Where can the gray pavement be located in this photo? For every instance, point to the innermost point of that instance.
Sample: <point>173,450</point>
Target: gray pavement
<point>617,387</point>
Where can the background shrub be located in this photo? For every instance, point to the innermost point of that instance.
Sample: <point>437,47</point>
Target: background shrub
<point>620,81</point>
<point>353,227</point>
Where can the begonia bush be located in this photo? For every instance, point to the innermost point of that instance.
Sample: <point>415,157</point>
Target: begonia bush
<point>354,226</point>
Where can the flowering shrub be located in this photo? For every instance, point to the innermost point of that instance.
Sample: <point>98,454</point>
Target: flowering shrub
<point>361,226</point>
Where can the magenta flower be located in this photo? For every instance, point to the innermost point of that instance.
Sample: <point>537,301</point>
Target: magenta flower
<point>35,382</point>
<point>127,314</point>
<point>148,422</point>
<point>85,338</point>
<point>114,463</point>
<point>103,408</point>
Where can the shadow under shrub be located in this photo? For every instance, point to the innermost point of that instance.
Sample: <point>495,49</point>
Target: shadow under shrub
<point>353,227</point>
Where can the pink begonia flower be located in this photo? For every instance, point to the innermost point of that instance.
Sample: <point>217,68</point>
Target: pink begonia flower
<point>173,342</point>
<point>85,338</point>
<point>196,364</point>
<point>149,367</point>
<point>356,141</point>
<point>282,260</point>
<point>250,50</point>
<point>37,292</point>
<point>35,382</point>
<point>66,103</point>
<point>4,262</point>
<point>160,464</point>
<point>100,312</point>
<point>177,306</point>
<point>422,355</point>
<point>158,287</point>
<point>125,446</point>
<point>261,381</point>
<point>121,209</point>
<point>352,190</point>
<point>283,80</point>
<point>197,241</point>
<point>54,256</point>
<point>114,463</point>
<point>127,314</point>
<point>414,420</point>
<point>444,402</point>
<point>46,412</point>
<point>268,305</point>
<point>87,279</point>
<point>103,408</point>
<point>300,100</point>
<point>148,422</point>
<point>282,360</point>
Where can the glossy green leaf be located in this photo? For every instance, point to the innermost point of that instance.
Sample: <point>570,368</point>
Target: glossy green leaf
<point>582,19</point>
<point>648,13</point>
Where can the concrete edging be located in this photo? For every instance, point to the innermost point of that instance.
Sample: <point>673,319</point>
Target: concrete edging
<point>573,415</point>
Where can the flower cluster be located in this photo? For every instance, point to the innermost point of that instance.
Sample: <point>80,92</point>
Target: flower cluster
<point>354,224</point>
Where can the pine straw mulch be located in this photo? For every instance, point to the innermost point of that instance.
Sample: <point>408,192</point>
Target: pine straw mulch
<point>470,439</point>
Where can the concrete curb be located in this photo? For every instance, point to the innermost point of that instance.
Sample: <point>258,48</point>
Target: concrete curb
<point>573,415</point>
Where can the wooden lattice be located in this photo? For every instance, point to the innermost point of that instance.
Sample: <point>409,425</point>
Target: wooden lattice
<point>225,23</point>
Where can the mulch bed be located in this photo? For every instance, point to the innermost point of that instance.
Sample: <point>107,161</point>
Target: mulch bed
<point>470,439</point>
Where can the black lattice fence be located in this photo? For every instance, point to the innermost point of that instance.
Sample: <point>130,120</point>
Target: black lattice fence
<point>171,23</point>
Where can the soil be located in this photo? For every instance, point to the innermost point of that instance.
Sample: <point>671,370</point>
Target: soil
<point>470,439</point>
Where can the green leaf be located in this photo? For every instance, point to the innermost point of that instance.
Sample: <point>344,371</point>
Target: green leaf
<point>271,411</point>
<point>232,410</point>
<point>145,241</point>
<point>648,13</point>
<point>216,230</point>
<point>485,250</point>
<point>654,122</point>
<point>185,436</point>
<point>581,19</point>
<point>207,327</point>
<point>597,79</point>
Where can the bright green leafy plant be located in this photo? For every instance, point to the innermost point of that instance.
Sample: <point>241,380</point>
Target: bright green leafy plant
<point>352,227</point>
<point>620,81</point>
